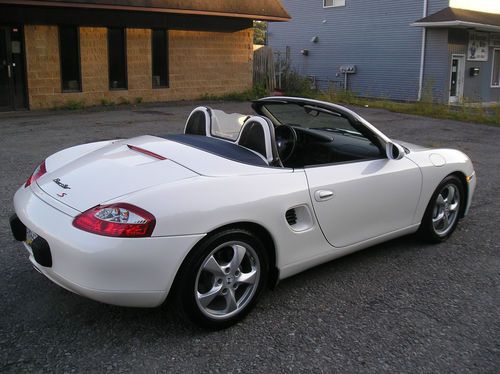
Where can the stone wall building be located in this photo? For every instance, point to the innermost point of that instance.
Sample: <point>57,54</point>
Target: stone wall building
<point>58,52</point>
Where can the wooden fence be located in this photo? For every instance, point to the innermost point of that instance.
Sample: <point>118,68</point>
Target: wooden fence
<point>263,68</point>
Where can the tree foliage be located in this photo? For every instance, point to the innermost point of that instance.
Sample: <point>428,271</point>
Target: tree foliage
<point>259,32</point>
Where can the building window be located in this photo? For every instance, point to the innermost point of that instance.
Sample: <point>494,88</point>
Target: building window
<point>159,53</point>
<point>333,3</point>
<point>69,52</point>
<point>495,74</point>
<point>117,59</point>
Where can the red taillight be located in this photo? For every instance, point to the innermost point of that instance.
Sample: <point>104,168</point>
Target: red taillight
<point>122,220</point>
<point>37,173</point>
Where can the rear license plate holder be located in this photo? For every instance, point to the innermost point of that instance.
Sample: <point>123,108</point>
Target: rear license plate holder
<point>30,236</point>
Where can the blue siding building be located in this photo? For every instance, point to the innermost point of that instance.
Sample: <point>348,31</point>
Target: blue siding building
<point>402,50</point>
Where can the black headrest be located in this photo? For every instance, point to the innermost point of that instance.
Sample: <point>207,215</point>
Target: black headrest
<point>257,134</point>
<point>199,122</point>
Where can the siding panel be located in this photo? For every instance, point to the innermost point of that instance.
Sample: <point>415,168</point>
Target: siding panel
<point>376,36</point>
<point>437,66</point>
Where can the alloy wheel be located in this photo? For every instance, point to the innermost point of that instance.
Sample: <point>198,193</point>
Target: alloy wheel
<point>446,209</point>
<point>227,280</point>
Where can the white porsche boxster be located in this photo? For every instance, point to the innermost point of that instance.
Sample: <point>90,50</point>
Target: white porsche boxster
<point>235,203</point>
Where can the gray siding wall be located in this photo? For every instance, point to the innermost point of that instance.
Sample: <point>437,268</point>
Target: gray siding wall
<point>436,83</point>
<point>476,88</point>
<point>489,94</point>
<point>479,88</point>
<point>376,36</point>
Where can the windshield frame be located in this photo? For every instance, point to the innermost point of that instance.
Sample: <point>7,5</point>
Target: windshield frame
<point>366,129</point>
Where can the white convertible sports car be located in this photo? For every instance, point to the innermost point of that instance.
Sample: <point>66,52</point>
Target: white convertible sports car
<point>235,203</point>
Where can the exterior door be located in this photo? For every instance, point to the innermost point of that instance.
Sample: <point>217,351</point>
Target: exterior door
<point>357,201</point>
<point>457,78</point>
<point>12,71</point>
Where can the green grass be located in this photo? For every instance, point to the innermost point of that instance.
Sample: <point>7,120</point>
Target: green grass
<point>427,108</point>
<point>466,113</point>
<point>252,94</point>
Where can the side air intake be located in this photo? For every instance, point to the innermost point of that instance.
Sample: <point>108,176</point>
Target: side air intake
<point>291,216</point>
<point>299,218</point>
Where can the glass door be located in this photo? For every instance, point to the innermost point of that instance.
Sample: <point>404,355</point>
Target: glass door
<point>5,72</point>
<point>457,78</point>
<point>12,69</point>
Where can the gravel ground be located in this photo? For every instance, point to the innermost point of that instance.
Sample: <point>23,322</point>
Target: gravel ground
<point>402,306</point>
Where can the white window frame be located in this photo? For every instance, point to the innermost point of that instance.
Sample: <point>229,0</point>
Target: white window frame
<point>493,69</point>
<point>335,3</point>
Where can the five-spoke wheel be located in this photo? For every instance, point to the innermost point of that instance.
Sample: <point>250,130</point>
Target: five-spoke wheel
<point>222,278</point>
<point>443,211</point>
<point>227,279</point>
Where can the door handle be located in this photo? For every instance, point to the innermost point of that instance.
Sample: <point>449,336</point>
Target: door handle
<point>322,195</point>
<point>9,72</point>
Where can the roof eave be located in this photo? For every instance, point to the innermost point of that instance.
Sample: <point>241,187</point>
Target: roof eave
<point>146,9</point>
<point>457,24</point>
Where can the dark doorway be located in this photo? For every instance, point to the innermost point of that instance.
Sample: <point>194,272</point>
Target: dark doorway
<point>12,69</point>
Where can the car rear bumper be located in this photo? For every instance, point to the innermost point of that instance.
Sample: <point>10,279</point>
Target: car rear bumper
<point>134,272</point>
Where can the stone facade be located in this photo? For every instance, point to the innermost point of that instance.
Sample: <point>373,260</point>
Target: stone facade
<point>200,63</point>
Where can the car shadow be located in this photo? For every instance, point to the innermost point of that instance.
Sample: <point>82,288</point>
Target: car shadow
<point>163,322</point>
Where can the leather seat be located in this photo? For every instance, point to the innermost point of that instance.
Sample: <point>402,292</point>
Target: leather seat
<point>199,122</point>
<point>257,134</point>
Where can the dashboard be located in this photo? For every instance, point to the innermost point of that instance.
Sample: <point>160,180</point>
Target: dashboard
<point>325,146</point>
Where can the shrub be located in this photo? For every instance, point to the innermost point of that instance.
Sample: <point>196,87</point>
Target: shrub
<point>106,102</point>
<point>124,101</point>
<point>74,105</point>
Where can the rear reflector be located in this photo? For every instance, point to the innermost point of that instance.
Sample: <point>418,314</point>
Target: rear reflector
<point>146,152</point>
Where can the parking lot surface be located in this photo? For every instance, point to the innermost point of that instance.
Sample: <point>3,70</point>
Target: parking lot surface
<point>402,306</point>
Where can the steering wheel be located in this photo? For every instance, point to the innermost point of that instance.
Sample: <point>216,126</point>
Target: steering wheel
<point>286,139</point>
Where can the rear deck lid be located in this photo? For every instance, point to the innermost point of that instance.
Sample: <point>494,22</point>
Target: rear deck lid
<point>108,173</point>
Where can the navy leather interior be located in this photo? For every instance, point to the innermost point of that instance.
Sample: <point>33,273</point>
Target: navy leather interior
<point>218,147</point>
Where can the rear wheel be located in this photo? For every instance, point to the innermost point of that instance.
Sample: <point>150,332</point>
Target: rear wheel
<point>222,279</point>
<point>442,214</point>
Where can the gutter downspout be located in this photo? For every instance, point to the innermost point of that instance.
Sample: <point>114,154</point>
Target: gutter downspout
<point>422,55</point>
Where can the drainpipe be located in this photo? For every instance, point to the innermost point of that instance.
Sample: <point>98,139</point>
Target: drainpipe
<point>422,55</point>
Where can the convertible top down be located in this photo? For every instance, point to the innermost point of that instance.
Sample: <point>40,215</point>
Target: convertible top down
<point>237,202</point>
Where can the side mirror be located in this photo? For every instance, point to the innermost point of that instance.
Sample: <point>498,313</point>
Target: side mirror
<point>394,151</point>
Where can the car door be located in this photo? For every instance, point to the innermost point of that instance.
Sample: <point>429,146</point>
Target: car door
<point>360,200</point>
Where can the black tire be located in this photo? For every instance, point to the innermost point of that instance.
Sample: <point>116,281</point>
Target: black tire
<point>193,276</point>
<point>428,230</point>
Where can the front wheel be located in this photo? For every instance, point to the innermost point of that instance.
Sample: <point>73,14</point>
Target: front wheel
<point>443,212</point>
<point>222,279</point>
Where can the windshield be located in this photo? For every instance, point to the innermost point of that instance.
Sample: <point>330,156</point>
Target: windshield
<point>309,116</point>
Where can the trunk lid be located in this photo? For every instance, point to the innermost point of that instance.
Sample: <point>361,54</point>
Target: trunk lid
<point>110,172</point>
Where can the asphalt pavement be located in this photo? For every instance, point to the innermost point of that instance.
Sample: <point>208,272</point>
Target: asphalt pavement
<point>402,306</point>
